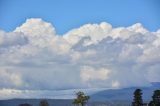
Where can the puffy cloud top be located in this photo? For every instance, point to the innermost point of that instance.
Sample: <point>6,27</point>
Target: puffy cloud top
<point>36,27</point>
<point>34,57</point>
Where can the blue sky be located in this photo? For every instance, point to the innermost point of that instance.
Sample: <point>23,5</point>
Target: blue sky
<point>34,58</point>
<point>68,14</point>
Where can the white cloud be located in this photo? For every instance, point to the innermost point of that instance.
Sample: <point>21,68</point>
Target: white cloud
<point>94,31</point>
<point>89,73</point>
<point>10,79</point>
<point>52,94</point>
<point>34,57</point>
<point>36,28</point>
<point>115,84</point>
<point>12,39</point>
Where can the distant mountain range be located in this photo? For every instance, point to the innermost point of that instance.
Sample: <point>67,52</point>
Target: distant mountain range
<point>112,97</point>
<point>125,93</point>
<point>56,102</point>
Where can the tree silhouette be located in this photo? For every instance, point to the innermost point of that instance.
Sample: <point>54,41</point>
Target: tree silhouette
<point>43,103</point>
<point>81,99</point>
<point>137,100</point>
<point>25,104</point>
<point>155,99</point>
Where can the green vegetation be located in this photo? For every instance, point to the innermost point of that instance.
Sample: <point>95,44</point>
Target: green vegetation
<point>137,101</point>
<point>81,99</point>
<point>25,104</point>
<point>155,99</point>
<point>43,103</point>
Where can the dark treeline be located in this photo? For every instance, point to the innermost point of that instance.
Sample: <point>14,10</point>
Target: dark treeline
<point>42,103</point>
<point>138,100</point>
<point>82,99</point>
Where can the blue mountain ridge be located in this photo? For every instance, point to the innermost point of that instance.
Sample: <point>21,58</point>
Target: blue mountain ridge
<point>112,97</point>
<point>125,93</point>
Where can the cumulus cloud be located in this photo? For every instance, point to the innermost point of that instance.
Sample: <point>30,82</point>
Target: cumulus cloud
<point>35,58</point>
<point>10,79</point>
<point>12,39</point>
<point>94,77</point>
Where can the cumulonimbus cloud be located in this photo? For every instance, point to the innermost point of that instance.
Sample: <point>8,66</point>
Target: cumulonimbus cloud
<point>92,56</point>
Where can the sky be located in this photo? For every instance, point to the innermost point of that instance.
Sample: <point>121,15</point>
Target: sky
<point>69,14</point>
<point>49,49</point>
